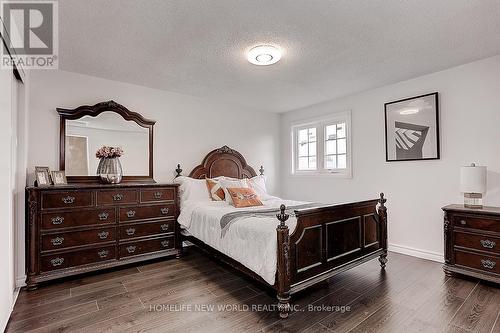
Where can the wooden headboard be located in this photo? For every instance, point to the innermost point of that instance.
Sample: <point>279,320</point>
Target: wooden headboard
<point>223,161</point>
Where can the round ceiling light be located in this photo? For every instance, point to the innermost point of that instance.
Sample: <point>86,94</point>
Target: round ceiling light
<point>263,55</point>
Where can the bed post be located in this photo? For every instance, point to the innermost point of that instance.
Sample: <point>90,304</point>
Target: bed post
<point>261,170</point>
<point>178,171</point>
<point>283,269</point>
<point>382,214</point>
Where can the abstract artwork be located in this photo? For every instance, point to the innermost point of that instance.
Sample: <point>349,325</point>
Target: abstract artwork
<point>412,129</point>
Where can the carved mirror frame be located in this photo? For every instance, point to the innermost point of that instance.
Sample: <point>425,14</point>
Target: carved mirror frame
<point>93,111</point>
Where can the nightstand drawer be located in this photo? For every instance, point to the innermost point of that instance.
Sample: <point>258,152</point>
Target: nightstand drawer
<point>490,264</point>
<point>477,222</point>
<point>477,242</point>
<point>158,195</point>
<point>117,197</point>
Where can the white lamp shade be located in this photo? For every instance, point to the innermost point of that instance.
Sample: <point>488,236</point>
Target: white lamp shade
<point>473,179</point>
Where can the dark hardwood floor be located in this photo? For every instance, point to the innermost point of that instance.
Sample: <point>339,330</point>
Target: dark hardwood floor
<point>412,295</point>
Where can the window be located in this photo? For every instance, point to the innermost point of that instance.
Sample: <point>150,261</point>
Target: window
<point>322,146</point>
<point>307,144</point>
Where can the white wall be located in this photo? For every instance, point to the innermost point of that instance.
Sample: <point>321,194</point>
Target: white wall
<point>469,98</point>
<point>8,191</point>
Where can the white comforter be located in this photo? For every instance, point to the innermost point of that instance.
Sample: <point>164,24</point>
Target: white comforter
<point>250,241</point>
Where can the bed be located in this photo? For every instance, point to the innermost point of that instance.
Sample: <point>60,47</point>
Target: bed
<point>300,248</point>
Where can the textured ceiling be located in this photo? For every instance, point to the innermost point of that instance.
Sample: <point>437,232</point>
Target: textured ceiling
<point>331,48</point>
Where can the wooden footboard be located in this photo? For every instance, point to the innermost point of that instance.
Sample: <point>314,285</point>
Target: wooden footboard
<point>327,241</point>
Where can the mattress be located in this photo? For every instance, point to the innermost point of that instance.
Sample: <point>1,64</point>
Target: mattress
<point>250,240</point>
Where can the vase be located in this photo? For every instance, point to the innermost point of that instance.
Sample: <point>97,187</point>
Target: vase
<point>110,170</point>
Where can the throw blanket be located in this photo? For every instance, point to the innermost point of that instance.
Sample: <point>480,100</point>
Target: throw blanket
<point>230,218</point>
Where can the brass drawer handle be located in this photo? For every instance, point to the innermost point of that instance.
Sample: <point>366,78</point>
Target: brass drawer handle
<point>164,211</point>
<point>57,241</point>
<point>488,264</point>
<point>164,227</point>
<point>130,231</point>
<point>157,195</point>
<point>131,213</point>
<point>131,249</point>
<point>103,253</point>
<point>103,234</point>
<point>68,200</point>
<point>488,244</point>
<point>463,222</point>
<point>57,220</point>
<point>118,197</point>
<point>103,216</point>
<point>57,262</point>
<point>165,243</point>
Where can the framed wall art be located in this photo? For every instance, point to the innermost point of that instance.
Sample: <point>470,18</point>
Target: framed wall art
<point>412,129</point>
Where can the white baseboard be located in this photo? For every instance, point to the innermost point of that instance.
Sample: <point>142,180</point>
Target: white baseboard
<point>14,299</point>
<point>434,256</point>
<point>21,281</point>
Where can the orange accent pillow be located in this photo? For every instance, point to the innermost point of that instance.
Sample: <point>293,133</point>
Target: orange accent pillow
<point>244,197</point>
<point>215,189</point>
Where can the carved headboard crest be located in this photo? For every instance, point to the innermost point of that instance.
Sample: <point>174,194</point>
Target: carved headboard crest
<point>223,161</point>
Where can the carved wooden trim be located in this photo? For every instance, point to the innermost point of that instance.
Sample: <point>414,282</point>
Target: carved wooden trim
<point>96,109</point>
<point>93,111</point>
<point>446,229</point>
<point>204,170</point>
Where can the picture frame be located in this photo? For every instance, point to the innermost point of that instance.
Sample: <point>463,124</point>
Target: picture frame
<point>59,178</point>
<point>42,175</point>
<point>412,129</point>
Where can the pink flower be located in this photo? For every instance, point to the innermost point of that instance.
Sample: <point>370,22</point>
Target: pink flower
<point>108,152</point>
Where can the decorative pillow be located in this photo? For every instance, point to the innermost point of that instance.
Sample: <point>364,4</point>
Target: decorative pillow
<point>232,183</point>
<point>258,184</point>
<point>191,189</point>
<point>215,189</point>
<point>244,197</point>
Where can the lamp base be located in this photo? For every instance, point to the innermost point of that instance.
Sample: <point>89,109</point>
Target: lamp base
<point>473,200</point>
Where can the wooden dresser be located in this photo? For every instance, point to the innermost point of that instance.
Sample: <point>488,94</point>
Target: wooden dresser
<point>81,228</point>
<point>472,242</point>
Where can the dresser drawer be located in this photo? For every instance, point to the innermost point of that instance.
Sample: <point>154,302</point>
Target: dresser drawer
<point>78,218</point>
<point>158,195</point>
<point>146,212</point>
<point>116,197</point>
<point>477,242</point>
<point>486,263</point>
<point>476,222</point>
<point>67,199</point>
<point>146,229</point>
<point>146,246</point>
<point>77,258</point>
<point>76,238</point>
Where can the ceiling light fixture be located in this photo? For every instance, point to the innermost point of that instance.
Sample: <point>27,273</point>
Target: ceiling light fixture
<point>264,55</point>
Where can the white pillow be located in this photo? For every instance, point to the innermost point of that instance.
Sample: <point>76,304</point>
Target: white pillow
<point>192,189</point>
<point>258,184</point>
<point>232,183</point>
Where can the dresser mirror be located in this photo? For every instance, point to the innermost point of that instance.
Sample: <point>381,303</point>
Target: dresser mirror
<point>86,129</point>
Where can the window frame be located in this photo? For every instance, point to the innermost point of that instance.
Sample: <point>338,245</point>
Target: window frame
<point>320,124</point>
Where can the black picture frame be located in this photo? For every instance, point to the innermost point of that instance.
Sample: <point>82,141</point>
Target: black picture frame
<point>437,156</point>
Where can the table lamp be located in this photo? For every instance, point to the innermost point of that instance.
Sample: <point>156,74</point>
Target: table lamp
<point>473,185</point>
